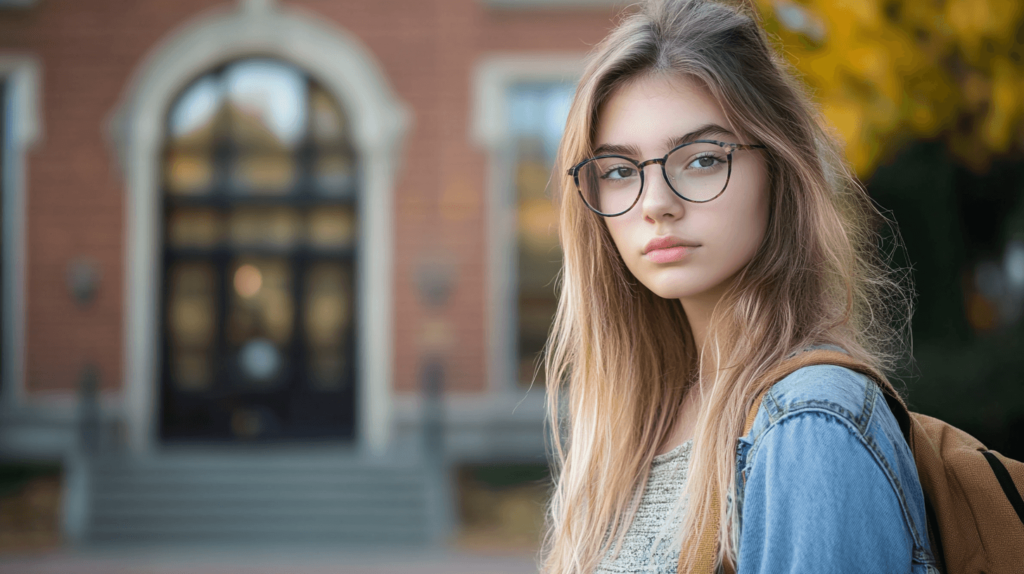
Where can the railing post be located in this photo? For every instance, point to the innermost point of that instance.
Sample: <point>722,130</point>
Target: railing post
<point>434,281</point>
<point>89,431</point>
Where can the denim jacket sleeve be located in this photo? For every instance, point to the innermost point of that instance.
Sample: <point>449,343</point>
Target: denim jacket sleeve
<point>826,482</point>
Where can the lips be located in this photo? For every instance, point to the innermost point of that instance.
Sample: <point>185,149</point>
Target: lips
<point>668,249</point>
<point>667,242</point>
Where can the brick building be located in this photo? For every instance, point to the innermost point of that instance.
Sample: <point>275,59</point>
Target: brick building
<point>255,222</point>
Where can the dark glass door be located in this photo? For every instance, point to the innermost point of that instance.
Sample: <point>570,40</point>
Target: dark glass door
<point>259,260</point>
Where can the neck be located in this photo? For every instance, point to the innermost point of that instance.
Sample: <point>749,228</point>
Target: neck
<point>698,314</point>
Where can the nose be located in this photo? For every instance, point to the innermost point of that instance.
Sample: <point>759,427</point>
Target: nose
<point>658,201</point>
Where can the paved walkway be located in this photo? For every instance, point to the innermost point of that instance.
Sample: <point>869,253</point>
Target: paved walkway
<point>264,561</point>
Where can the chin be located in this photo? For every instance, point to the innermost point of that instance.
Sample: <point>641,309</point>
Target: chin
<point>676,284</point>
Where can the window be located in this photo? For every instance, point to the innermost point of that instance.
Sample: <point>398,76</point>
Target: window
<point>537,113</point>
<point>260,230</point>
<point>3,231</point>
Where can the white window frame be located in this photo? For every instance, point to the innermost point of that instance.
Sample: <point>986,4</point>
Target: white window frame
<point>495,74</point>
<point>22,131</point>
<point>349,72</point>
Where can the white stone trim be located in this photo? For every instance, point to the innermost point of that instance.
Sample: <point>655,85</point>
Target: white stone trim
<point>478,426</point>
<point>349,71</point>
<point>22,130</point>
<point>495,74</point>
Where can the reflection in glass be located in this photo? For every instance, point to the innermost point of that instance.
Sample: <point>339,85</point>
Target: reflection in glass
<point>188,173</point>
<point>248,280</point>
<point>332,227</point>
<point>191,309</point>
<point>328,315</point>
<point>264,226</point>
<point>268,311</point>
<point>193,227</point>
<point>536,118</point>
<point>191,369</point>
<point>192,118</point>
<point>539,256</point>
<point>263,174</point>
<point>328,125</point>
<point>333,174</point>
<point>252,117</point>
<point>268,103</point>
<point>190,319</point>
<point>260,360</point>
<point>327,367</point>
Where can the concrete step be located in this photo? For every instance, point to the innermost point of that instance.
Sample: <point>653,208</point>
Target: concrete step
<point>260,497</point>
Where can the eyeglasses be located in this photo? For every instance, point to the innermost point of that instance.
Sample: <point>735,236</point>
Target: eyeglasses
<point>696,171</point>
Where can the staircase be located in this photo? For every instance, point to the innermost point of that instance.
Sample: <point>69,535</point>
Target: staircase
<point>264,498</point>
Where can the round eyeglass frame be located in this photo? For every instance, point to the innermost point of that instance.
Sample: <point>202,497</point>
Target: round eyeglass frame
<point>574,171</point>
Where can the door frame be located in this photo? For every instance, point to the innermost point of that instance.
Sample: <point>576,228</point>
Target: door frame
<point>349,72</point>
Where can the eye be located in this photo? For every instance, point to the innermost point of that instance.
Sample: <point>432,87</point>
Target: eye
<point>705,161</point>
<point>619,172</point>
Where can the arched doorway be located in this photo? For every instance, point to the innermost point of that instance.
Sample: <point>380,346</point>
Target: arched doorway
<point>378,120</point>
<point>260,192</point>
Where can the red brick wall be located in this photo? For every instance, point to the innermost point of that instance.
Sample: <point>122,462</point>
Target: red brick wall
<point>75,196</point>
<point>75,203</point>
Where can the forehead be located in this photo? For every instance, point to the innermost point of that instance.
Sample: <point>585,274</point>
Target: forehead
<point>649,111</point>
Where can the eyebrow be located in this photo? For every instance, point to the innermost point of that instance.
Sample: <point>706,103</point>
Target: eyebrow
<point>699,133</point>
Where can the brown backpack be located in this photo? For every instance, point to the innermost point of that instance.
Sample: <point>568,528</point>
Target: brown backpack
<point>972,495</point>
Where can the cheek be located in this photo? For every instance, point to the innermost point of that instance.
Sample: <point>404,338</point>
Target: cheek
<point>753,224</point>
<point>624,234</point>
<point>736,228</point>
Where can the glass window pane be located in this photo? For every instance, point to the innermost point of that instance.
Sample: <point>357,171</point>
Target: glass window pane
<point>263,173</point>
<point>187,227</point>
<point>260,319</point>
<point>332,227</point>
<point>333,174</point>
<point>188,173</point>
<point>264,226</point>
<point>193,119</point>
<point>328,316</point>
<point>327,122</point>
<point>260,300</point>
<point>327,303</point>
<point>536,118</point>
<point>191,310</point>
<point>191,305</point>
<point>192,369</point>
<point>267,102</point>
<point>249,423</point>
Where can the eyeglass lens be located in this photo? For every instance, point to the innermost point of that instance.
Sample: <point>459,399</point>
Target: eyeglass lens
<point>697,172</point>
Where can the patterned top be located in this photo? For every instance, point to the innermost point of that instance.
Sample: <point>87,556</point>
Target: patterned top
<point>651,545</point>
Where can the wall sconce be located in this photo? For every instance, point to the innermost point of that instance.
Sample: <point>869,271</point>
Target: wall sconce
<point>83,279</point>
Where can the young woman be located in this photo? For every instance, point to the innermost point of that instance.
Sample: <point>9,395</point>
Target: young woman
<point>711,230</point>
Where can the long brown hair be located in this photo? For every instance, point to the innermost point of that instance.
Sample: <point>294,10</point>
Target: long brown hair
<point>620,359</point>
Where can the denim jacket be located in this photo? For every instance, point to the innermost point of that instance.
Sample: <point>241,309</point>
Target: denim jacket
<point>826,482</point>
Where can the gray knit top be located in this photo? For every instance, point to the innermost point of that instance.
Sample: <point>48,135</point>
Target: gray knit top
<point>651,544</point>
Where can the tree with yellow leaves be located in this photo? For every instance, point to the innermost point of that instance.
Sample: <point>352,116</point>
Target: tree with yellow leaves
<point>888,71</point>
